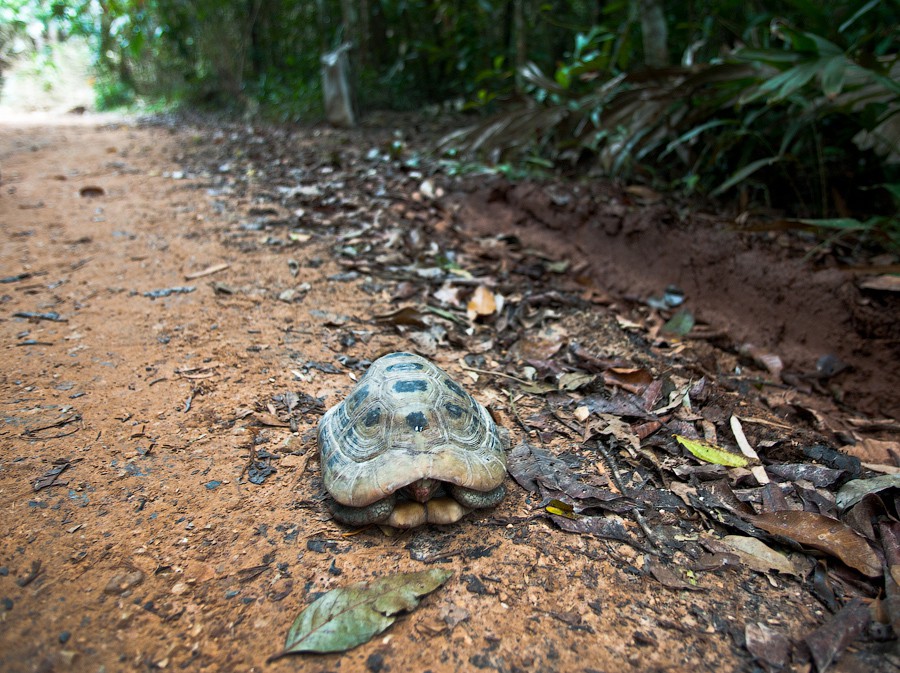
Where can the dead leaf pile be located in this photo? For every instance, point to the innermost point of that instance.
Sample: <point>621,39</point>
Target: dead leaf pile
<point>636,429</point>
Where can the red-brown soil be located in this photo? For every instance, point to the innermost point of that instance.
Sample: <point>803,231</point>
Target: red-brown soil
<point>154,550</point>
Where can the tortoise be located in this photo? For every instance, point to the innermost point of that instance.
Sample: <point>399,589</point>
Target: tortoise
<point>410,446</point>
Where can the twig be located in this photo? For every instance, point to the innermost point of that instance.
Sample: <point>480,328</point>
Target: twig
<point>515,413</point>
<point>490,373</point>
<point>617,480</point>
<point>30,432</point>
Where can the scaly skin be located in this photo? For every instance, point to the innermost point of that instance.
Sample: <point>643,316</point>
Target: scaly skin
<point>363,516</point>
<point>381,510</point>
<point>477,499</point>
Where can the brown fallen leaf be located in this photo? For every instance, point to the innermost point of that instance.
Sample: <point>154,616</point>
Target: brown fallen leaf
<point>890,542</point>
<point>407,315</point>
<point>871,450</point>
<point>482,303</point>
<point>828,641</point>
<point>633,379</point>
<point>768,646</point>
<point>825,534</point>
<point>540,344</point>
<point>669,578</point>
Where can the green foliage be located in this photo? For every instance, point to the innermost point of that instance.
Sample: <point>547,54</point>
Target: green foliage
<point>799,122</point>
<point>792,104</point>
<point>111,94</point>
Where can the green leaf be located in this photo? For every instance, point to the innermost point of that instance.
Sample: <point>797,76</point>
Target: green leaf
<point>712,454</point>
<point>833,75</point>
<point>859,12</point>
<point>679,324</point>
<point>744,173</point>
<point>893,188</point>
<point>768,55</point>
<point>694,132</point>
<point>350,616</point>
<point>790,81</point>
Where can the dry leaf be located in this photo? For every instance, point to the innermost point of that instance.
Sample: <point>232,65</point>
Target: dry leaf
<point>482,303</point>
<point>540,345</point>
<point>633,379</point>
<point>825,534</point>
<point>882,283</point>
<point>874,451</point>
<point>758,556</point>
<point>767,645</point>
<point>349,616</point>
<point>828,641</point>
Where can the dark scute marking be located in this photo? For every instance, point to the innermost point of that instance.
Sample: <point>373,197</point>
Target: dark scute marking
<point>405,367</point>
<point>357,397</point>
<point>454,409</point>
<point>455,387</point>
<point>412,386</point>
<point>399,354</point>
<point>416,421</point>
<point>372,417</point>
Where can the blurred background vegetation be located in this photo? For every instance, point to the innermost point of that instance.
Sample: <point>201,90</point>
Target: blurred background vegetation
<point>790,104</point>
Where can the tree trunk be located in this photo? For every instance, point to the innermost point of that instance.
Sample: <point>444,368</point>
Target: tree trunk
<point>362,52</point>
<point>520,40</point>
<point>655,33</point>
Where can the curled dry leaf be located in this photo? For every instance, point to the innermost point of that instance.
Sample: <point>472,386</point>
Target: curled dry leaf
<point>770,361</point>
<point>825,534</point>
<point>91,192</point>
<point>882,283</point>
<point>482,303</point>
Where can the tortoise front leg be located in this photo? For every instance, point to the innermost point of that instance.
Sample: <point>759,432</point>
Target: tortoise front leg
<point>473,499</point>
<point>363,516</point>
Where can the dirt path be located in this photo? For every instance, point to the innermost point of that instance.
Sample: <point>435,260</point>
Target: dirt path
<point>154,549</point>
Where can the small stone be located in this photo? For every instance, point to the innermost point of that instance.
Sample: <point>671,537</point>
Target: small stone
<point>64,637</point>
<point>375,662</point>
<point>123,581</point>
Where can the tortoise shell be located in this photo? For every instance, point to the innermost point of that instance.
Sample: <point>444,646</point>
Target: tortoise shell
<point>408,420</point>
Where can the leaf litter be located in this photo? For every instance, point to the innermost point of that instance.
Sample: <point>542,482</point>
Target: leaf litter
<point>606,400</point>
<point>648,414</point>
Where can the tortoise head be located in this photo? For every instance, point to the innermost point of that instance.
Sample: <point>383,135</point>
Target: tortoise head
<point>421,490</point>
